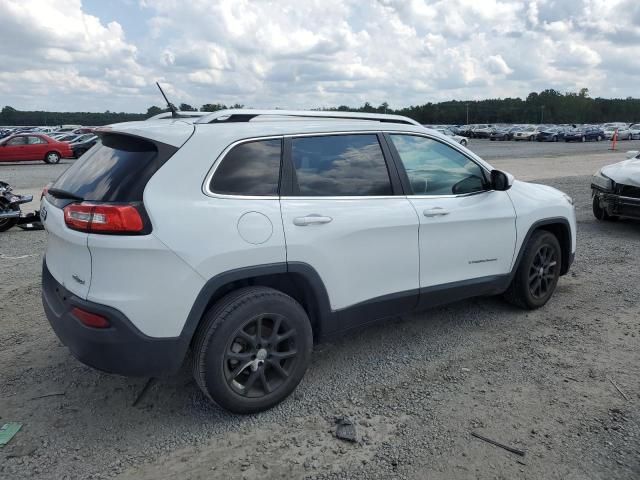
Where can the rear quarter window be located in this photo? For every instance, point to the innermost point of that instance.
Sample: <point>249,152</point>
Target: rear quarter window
<point>117,169</point>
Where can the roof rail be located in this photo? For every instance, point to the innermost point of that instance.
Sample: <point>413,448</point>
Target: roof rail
<point>246,115</point>
<point>181,114</point>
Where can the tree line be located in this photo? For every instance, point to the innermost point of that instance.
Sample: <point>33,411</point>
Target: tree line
<point>547,106</point>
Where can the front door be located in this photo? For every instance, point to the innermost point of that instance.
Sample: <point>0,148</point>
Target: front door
<point>344,219</point>
<point>467,230</point>
<point>15,149</point>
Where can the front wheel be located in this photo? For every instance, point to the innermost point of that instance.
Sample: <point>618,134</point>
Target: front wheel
<point>464,143</point>
<point>252,349</point>
<point>538,272</point>
<point>599,212</point>
<point>7,223</point>
<point>52,157</point>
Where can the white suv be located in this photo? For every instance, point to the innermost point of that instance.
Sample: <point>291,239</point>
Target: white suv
<point>242,236</point>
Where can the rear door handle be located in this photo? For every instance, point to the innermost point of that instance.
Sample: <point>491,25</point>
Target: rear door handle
<point>312,219</point>
<point>435,212</point>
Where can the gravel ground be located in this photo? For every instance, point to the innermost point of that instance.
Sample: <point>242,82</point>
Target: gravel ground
<point>415,387</point>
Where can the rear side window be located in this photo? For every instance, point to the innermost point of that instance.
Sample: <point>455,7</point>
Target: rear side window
<point>340,165</point>
<point>117,169</point>
<point>251,168</point>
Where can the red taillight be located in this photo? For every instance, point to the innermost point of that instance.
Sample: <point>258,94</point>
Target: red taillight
<point>103,218</point>
<point>89,319</point>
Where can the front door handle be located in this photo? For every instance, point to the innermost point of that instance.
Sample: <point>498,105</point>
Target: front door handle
<point>435,212</point>
<point>312,219</point>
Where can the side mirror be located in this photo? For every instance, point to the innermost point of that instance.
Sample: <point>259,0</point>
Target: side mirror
<point>501,181</point>
<point>632,154</point>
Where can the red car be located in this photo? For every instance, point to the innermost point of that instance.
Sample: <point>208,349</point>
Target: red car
<point>33,146</point>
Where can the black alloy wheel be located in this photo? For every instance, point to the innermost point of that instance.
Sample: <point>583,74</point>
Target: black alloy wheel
<point>538,271</point>
<point>542,271</point>
<point>251,349</point>
<point>261,355</point>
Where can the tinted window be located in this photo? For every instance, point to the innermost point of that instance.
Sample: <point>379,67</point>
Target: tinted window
<point>251,168</point>
<point>116,170</point>
<point>340,165</point>
<point>17,141</point>
<point>435,168</point>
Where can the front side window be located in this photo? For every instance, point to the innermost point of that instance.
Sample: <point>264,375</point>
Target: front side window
<point>435,168</point>
<point>251,168</point>
<point>340,165</point>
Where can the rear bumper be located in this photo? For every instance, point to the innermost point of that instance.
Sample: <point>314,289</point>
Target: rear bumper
<point>120,349</point>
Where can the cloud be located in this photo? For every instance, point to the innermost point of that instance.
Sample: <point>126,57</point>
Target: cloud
<point>311,53</point>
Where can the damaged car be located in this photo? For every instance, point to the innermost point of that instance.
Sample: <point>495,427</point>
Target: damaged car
<point>616,189</point>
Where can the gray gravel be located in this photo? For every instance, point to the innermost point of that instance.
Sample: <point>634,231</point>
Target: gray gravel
<point>414,387</point>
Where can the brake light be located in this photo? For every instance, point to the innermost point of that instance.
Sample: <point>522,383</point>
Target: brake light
<point>103,218</point>
<point>89,319</point>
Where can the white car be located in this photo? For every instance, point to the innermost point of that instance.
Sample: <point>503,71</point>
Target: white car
<point>457,138</point>
<point>244,235</point>
<point>634,130</point>
<point>615,189</point>
<point>624,133</point>
<point>528,133</point>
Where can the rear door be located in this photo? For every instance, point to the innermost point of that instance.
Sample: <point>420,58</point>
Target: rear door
<point>37,147</point>
<point>343,217</point>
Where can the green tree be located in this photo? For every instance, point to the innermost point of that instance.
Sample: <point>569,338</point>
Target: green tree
<point>185,107</point>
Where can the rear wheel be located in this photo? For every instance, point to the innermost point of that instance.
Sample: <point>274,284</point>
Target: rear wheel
<point>52,157</point>
<point>538,272</point>
<point>464,143</point>
<point>252,349</point>
<point>583,139</point>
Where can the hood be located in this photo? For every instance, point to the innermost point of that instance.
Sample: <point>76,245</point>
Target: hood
<point>626,172</point>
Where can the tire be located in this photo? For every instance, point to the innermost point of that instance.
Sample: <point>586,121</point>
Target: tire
<point>235,364</point>
<point>531,138</point>
<point>52,158</point>
<point>7,223</point>
<point>538,272</point>
<point>463,143</point>
<point>599,138</point>
<point>601,213</point>
<point>583,139</point>
<point>555,139</point>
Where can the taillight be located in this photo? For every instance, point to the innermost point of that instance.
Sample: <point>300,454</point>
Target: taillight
<point>89,319</point>
<point>103,218</point>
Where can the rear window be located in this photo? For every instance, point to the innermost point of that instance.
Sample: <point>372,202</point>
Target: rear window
<point>117,169</point>
<point>251,168</point>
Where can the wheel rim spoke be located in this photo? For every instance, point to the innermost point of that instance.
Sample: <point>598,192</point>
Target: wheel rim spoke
<point>261,355</point>
<point>278,368</point>
<point>284,355</point>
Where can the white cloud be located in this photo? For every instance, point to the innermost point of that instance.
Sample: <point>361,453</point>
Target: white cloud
<point>310,53</point>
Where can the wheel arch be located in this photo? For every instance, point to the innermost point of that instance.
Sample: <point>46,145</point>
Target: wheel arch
<point>298,280</point>
<point>561,229</point>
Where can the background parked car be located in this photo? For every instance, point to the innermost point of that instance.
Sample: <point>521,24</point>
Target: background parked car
<point>635,131</point>
<point>84,144</point>
<point>482,131</point>
<point>458,138</point>
<point>552,134</point>
<point>25,147</point>
<point>527,133</point>
<point>623,131</point>
<point>584,134</point>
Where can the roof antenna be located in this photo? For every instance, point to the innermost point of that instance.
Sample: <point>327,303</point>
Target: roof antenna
<point>172,107</point>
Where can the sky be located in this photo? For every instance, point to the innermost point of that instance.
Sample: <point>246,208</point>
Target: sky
<point>97,55</point>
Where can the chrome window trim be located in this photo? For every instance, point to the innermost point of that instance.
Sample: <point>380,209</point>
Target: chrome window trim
<point>207,181</point>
